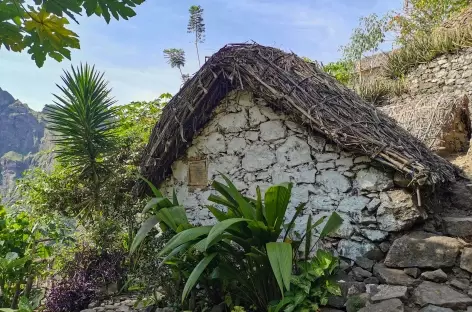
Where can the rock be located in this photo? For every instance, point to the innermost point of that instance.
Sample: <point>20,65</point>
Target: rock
<point>433,308</point>
<point>466,259</point>
<point>324,166</point>
<point>385,292</point>
<point>317,143</point>
<point>365,263</point>
<point>423,250</point>
<point>324,157</point>
<point>252,135</point>
<point>385,246</point>
<point>233,122</point>
<point>255,116</point>
<point>223,164</point>
<point>336,301</point>
<point>393,276</point>
<point>344,162</point>
<point>391,305</point>
<point>258,157</point>
<point>353,250</point>
<point>440,295</point>
<point>305,176</point>
<point>374,235</point>
<point>413,272</point>
<point>332,181</point>
<point>372,280</point>
<point>236,146</point>
<point>88,310</point>
<point>401,180</point>
<point>353,205</point>
<point>458,226</point>
<point>373,179</point>
<point>373,205</point>
<point>360,274</point>
<point>180,170</point>
<point>294,152</point>
<point>375,254</point>
<point>437,276</point>
<point>397,211</point>
<point>213,144</point>
<point>462,284</point>
<point>362,159</point>
<point>330,310</point>
<point>273,130</point>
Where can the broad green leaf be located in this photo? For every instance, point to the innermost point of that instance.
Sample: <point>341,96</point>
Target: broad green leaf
<point>276,200</point>
<point>173,217</point>
<point>221,201</point>
<point>218,214</point>
<point>218,229</point>
<point>333,223</point>
<point>294,218</point>
<point>308,236</point>
<point>280,258</point>
<point>333,288</point>
<point>159,202</point>
<point>154,189</point>
<point>184,237</point>
<point>228,200</point>
<point>246,209</point>
<point>147,226</point>
<point>175,201</point>
<point>259,213</point>
<point>196,273</point>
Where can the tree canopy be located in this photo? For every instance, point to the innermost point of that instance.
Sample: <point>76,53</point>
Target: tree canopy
<point>42,27</point>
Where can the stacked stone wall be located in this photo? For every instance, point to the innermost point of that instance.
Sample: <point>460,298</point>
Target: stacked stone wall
<point>255,146</point>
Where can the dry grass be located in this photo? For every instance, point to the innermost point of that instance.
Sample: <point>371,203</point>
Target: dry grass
<point>425,48</point>
<point>376,91</point>
<point>439,121</point>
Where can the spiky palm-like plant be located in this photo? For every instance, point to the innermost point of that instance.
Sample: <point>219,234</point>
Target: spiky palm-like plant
<point>82,119</point>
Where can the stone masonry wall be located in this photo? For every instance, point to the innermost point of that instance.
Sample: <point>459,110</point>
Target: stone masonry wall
<point>253,145</point>
<point>450,73</point>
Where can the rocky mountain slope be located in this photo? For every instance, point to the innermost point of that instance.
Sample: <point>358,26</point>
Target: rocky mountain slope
<point>24,140</point>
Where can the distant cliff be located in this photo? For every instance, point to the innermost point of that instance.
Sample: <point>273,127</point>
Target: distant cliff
<point>24,140</point>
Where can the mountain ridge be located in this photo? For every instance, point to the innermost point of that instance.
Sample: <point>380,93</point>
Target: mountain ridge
<point>24,140</point>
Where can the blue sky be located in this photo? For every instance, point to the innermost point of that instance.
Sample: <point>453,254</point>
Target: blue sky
<point>130,52</point>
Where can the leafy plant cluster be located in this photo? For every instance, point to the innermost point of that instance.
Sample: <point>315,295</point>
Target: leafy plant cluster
<point>250,256</point>
<point>40,26</point>
<point>25,247</point>
<point>83,277</point>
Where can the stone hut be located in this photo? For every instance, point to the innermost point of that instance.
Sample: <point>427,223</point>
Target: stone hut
<point>262,116</point>
<point>440,121</point>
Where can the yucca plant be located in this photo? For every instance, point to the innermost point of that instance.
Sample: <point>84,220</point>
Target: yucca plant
<point>249,245</point>
<point>82,120</point>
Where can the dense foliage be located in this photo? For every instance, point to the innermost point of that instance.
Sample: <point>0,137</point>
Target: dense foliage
<point>421,17</point>
<point>82,278</point>
<point>247,257</point>
<point>41,26</point>
<point>26,244</point>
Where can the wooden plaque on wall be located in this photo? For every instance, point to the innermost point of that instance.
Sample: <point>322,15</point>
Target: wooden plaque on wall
<point>197,173</point>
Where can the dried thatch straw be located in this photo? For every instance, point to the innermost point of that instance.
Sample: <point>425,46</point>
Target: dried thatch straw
<point>440,121</point>
<point>299,89</point>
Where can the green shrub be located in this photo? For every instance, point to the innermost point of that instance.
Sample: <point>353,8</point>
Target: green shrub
<point>241,258</point>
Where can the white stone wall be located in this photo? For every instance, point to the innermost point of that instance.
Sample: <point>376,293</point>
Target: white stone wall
<point>253,145</point>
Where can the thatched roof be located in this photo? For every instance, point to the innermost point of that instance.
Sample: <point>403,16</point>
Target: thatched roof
<point>432,118</point>
<point>297,88</point>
